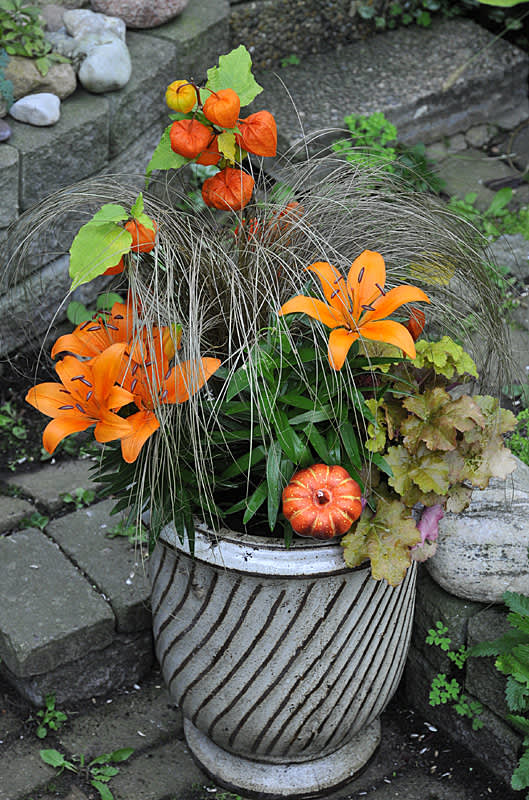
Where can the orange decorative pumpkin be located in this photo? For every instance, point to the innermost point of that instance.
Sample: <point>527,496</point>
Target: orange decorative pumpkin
<point>322,502</point>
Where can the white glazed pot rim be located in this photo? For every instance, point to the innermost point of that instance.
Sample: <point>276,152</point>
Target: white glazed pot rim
<point>259,555</point>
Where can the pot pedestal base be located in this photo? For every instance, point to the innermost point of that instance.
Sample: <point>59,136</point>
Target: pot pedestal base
<point>274,781</point>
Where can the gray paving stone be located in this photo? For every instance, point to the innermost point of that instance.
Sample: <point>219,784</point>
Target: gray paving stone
<point>112,564</point>
<point>74,148</point>
<point>22,770</point>
<point>408,89</point>
<point>468,171</point>
<point>166,772</point>
<point>140,718</point>
<point>125,661</point>
<point>12,511</point>
<point>49,613</point>
<point>47,485</point>
<point>9,165</point>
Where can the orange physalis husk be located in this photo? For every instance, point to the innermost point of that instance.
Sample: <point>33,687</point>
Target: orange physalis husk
<point>143,238</point>
<point>322,502</point>
<point>117,269</point>
<point>211,155</point>
<point>86,396</point>
<point>181,96</point>
<point>230,189</point>
<point>258,134</point>
<point>189,137</point>
<point>222,108</point>
<point>357,307</point>
<point>416,323</point>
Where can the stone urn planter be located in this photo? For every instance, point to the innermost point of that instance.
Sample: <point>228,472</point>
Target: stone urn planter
<point>281,659</point>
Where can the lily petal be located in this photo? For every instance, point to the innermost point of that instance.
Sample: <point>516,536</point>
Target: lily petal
<point>388,303</point>
<point>390,332</point>
<point>340,341</point>
<point>63,426</point>
<point>111,427</point>
<point>333,284</point>
<point>187,378</point>
<point>144,424</point>
<point>316,309</point>
<point>106,368</point>
<point>367,274</point>
<point>48,398</point>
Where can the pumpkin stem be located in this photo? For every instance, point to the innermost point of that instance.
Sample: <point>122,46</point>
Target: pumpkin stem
<point>322,496</point>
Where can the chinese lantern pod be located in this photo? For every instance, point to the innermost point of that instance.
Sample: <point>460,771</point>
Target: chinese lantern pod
<point>181,96</point>
<point>230,189</point>
<point>222,108</point>
<point>189,137</point>
<point>258,134</point>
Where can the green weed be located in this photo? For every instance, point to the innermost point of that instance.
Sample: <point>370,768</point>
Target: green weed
<point>79,497</point>
<point>35,520</point>
<point>50,718</point>
<point>98,772</point>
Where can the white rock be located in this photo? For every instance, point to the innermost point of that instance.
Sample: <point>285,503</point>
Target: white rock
<point>37,109</point>
<point>106,68</point>
<point>483,552</point>
<point>79,22</point>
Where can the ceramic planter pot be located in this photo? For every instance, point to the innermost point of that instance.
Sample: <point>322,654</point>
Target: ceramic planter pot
<point>281,660</point>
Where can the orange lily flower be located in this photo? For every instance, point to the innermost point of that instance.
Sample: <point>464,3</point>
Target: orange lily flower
<point>92,337</point>
<point>357,307</point>
<point>154,383</point>
<point>87,395</point>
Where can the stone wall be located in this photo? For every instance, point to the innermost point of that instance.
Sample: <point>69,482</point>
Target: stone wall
<point>276,29</point>
<point>496,744</point>
<point>114,133</point>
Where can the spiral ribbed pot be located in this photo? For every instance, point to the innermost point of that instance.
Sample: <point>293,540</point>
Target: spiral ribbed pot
<point>281,659</point>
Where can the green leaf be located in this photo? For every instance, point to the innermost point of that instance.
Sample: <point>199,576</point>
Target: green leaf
<point>110,212</point>
<point>164,157</point>
<point>235,72</point>
<point>95,248</point>
<point>104,791</point>
<point>43,65</point>
<point>518,603</point>
<point>106,300</point>
<point>54,759</point>
<point>242,464</point>
<point>318,443</point>
<point>274,482</point>
<point>255,501</point>
<point>137,208</point>
<point>226,144</point>
<point>520,776</point>
<point>350,444</point>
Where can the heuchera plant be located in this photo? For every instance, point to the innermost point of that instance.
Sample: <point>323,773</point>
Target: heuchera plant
<point>319,409</point>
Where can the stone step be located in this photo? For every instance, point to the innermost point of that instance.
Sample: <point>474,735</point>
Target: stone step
<point>402,73</point>
<point>75,619</point>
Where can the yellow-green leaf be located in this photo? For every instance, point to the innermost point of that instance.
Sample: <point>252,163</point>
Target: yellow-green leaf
<point>226,145</point>
<point>95,248</point>
<point>235,72</point>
